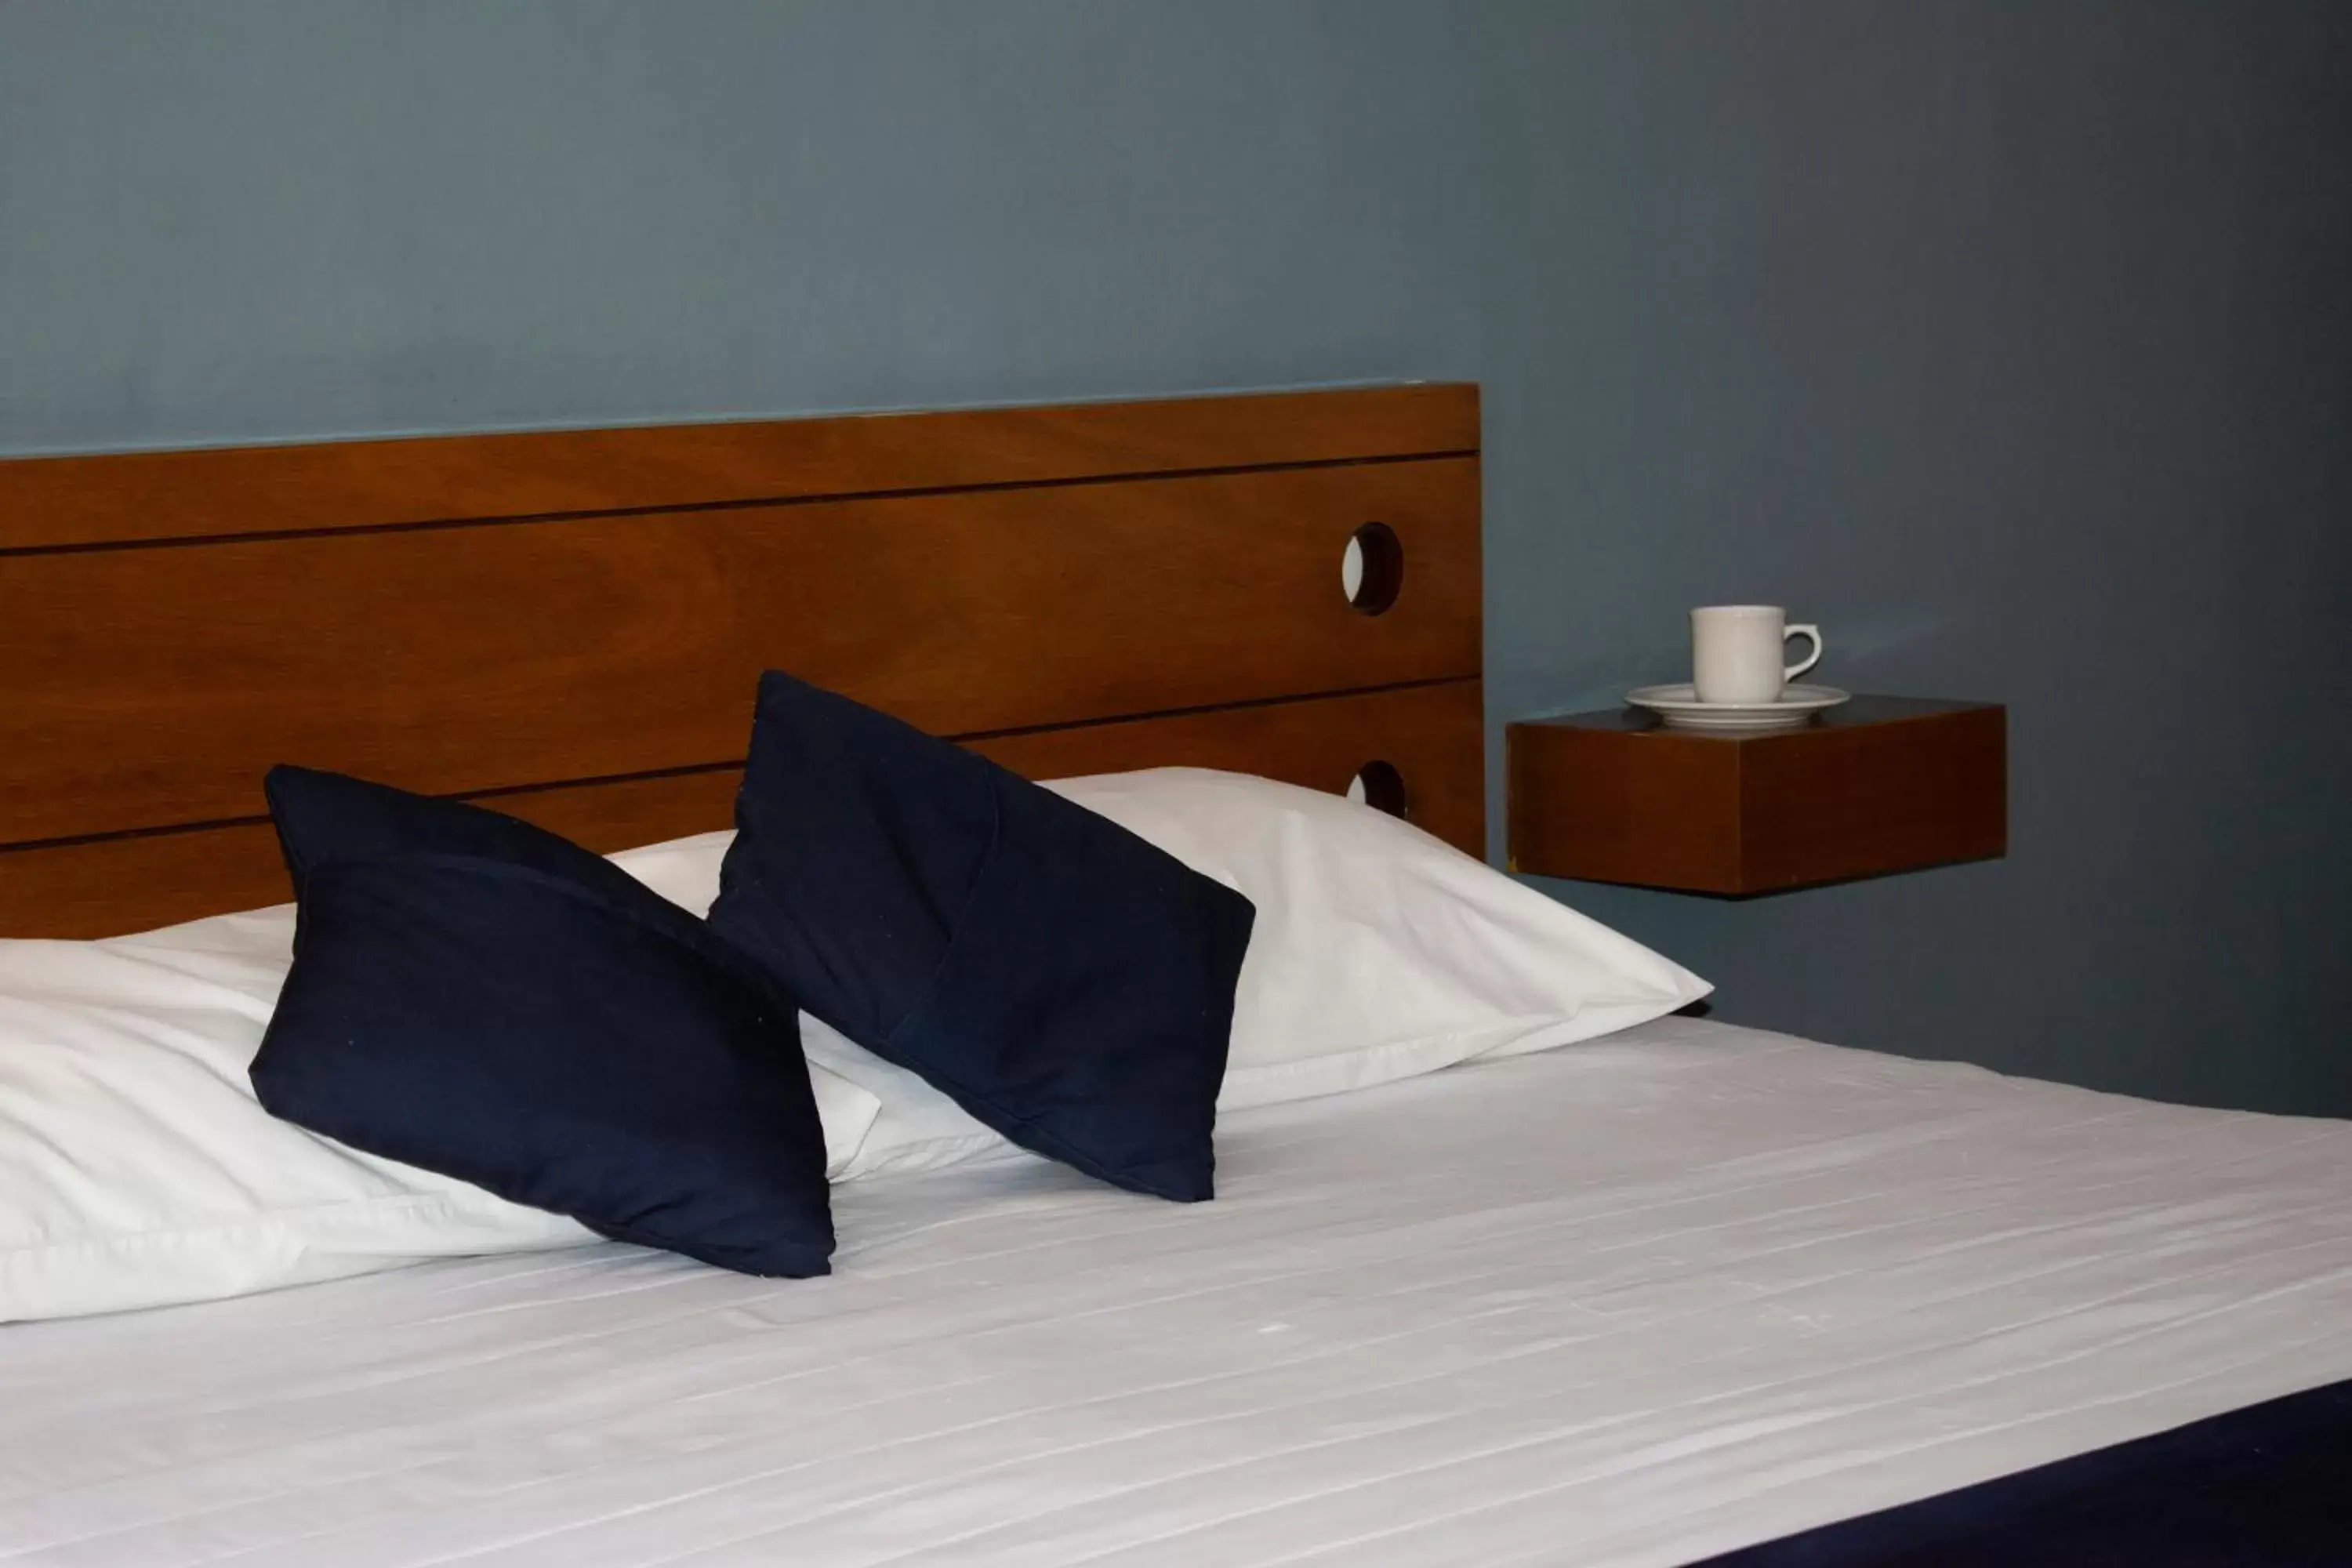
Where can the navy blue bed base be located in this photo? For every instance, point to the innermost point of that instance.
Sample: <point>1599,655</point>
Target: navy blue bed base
<point>2264,1486</point>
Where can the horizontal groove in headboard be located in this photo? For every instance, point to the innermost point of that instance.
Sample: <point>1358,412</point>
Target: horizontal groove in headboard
<point>1430,733</point>
<point>81,502</point>
<point>151,687</point>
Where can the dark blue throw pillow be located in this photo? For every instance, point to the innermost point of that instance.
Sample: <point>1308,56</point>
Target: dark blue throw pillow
<point>1067,983</point>
<point>481,998</point>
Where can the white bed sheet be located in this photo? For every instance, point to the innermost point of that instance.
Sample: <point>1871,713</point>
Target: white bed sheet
<point>1635,1301</point>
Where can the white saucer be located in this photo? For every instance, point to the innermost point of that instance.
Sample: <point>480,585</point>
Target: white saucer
<point>1679,706</point>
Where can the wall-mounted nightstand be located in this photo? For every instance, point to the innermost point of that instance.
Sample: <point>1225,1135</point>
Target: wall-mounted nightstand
<point>1880,785</point>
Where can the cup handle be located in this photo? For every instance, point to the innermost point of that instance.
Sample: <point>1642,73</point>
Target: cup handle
<point>1814,632</point>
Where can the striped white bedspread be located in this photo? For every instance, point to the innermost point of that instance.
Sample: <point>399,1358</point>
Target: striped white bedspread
<point>1629,1303</point>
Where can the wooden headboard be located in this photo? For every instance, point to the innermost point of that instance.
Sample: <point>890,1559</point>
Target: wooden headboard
<point>569,625</point>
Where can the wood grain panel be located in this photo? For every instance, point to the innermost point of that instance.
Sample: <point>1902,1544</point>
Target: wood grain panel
<point>152,686</point>
<point>82,500</point>
<point>570,624</point>
<point>1430,733</point>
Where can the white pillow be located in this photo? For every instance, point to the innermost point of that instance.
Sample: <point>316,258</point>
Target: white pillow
<point>1380,953</point>
<point>137,1169</point>
<point>917,1127</point>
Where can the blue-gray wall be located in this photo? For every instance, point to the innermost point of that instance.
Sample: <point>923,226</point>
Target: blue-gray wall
<point>2011,342</point>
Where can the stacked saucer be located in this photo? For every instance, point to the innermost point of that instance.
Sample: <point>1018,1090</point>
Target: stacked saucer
<point>1679,706</point>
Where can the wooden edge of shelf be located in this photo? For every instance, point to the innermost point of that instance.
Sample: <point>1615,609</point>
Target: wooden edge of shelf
<point>1742,820</point>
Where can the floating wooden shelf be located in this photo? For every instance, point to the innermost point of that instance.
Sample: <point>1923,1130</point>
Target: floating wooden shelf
<point>1877,785</point>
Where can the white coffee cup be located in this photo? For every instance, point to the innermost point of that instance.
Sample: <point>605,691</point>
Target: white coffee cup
<point>1735,652</point>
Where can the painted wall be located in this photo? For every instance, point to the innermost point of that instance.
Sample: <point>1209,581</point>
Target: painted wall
<point>2011,342</point>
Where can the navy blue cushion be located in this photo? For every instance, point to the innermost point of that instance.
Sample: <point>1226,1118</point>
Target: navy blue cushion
<point>479,997</point>
<point>1067,983</point>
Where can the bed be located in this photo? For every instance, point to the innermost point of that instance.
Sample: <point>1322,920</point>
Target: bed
<point>1632,1302</point>
<point>1686,1291</point>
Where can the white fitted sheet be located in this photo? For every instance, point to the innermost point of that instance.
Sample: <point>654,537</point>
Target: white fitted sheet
<point>1634,1301</point>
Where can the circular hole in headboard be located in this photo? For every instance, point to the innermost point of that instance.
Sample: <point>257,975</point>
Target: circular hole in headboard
<point>1371,569</point>
<point>1378,785</point>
